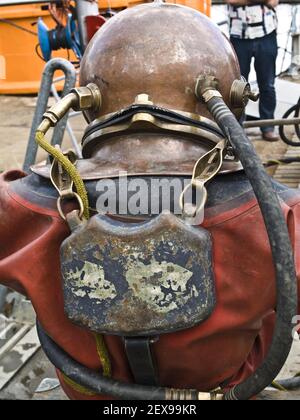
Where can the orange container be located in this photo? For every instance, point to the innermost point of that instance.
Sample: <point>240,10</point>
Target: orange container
<point>203,6</point>
<point>20,66</point>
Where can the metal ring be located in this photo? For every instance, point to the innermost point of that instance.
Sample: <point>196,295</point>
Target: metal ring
<point>196,208</point>
<point>79,200</point>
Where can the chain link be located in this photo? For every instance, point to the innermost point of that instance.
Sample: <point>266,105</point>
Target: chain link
<point>207,167</point>
<point>64,184</point>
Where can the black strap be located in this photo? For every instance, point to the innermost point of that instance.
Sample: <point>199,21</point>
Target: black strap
<point>264,19</point>
<point>164,114</point>
<point>141,360</point>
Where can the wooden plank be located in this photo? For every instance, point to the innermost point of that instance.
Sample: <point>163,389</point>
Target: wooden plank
<point>13,360</point>
<point>14,340</point>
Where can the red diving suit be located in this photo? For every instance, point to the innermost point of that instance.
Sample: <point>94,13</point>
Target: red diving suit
<point>223,350</point>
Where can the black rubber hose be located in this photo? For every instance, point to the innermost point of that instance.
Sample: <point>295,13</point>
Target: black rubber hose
<point>100,385</point>
<point>285,280</point>
<point>281,250</point>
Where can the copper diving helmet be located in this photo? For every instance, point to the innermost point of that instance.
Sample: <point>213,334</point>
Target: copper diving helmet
<point>145,61</point>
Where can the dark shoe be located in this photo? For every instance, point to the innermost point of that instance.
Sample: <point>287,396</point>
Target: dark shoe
<point>270,136</point>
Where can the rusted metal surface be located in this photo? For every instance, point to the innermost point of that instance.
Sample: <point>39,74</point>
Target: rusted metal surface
<point>142,279</point>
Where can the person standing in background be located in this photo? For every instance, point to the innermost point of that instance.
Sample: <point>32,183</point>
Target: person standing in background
<point>253,33</point>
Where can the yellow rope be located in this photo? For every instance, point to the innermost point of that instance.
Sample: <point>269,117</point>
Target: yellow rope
<point>297,375</point>
<point>276,385</point>
<point>81,191</point>
<point>106,367</point>
<point>275,162</point>
<point>69,167</point>
<point>103,355</point>
<point>78,388</point>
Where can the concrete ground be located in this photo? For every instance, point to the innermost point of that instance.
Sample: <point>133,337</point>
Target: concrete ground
<point>24,385</point>
<point>16,114</point>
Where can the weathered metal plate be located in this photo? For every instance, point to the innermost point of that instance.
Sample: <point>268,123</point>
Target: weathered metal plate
<point>137,280</point>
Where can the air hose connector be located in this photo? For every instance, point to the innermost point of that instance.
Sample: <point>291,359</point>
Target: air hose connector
<point>207,87</point>
<point>286,306</point>
<point>206,83</point>
<point>79,99</point>
<point>241,93</point>
<point>88,97</point>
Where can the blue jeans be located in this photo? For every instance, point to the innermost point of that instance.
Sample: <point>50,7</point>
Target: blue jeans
<point>264,51</point>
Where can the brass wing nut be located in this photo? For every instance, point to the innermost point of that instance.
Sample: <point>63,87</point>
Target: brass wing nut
<point>241,93</point>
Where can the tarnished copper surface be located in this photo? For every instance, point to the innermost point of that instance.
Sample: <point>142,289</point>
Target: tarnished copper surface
<point>159,49</point>
<point>153,54</point>
<point>90,169</point>
<point>143,154</point>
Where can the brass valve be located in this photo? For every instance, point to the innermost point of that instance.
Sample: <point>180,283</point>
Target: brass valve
<point>80,99</point>
<point>207,87</point>
<point>241,93</point>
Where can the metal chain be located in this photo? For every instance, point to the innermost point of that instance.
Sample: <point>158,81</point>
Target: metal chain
<point>64,184</point>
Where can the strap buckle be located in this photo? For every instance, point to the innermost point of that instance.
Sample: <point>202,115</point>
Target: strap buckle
<point>206,168</point>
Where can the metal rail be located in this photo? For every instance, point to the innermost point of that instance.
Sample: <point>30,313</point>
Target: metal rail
<point>272,123</point>
<point>41,106</point>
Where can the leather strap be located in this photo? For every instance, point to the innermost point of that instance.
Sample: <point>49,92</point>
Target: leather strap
<point>141,360</point>
<point>158,112</point>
